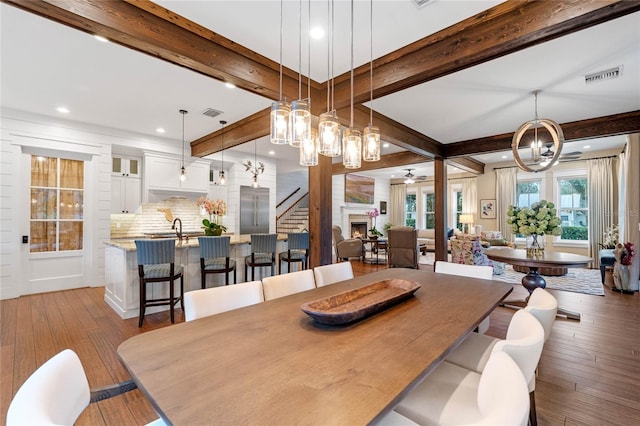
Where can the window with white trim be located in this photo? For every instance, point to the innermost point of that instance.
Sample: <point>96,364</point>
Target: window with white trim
<point>572,201</point>
<point>57,204</point>
<point>429,207</point>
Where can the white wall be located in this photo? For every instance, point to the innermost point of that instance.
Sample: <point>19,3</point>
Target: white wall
<point>342,210</point>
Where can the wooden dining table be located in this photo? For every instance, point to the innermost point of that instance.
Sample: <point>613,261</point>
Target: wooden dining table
<point>271,363</point>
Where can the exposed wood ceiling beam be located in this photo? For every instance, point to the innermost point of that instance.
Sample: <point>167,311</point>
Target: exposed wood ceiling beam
<point>501,30</point>
<point>610,125</point>
<point>467,164</point>
<point>396,159</point>
<point>506,28</point>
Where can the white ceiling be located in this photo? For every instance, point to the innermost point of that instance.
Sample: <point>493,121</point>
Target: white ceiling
<point>45,65</point>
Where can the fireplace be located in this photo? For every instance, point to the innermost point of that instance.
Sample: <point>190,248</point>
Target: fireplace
<point>359,229</point>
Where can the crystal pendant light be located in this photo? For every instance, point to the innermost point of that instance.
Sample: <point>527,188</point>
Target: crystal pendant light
<point>371,134</point>
<point>221,174</point>
<point>281,109</point>
<point>183,173</point>
<point>328,124</point>
<point>351,139</point>
<point>300,116</point>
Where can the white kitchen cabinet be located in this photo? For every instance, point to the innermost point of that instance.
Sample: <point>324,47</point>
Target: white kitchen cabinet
<point>126,183</point>
<point>126,166</point>
<point>126,194</point>
<point>163,173</point>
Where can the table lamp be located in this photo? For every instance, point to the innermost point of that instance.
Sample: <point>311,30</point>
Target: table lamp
<point>466,220</point>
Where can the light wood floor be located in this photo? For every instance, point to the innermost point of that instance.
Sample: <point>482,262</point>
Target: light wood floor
<point>589,373</point>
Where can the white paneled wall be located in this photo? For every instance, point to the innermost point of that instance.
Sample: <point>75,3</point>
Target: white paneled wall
<point>342,210</point>
<point>10,244</point>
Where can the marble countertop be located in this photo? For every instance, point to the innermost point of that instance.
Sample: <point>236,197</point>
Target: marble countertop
<point>128,244</point>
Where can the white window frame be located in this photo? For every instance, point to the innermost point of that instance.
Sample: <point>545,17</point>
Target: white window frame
<point>423,201</point>
<point>528,177</point>
<point>563,174</point>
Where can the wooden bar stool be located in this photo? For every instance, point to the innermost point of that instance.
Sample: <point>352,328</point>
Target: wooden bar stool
<point>297,251</point>
<point>156,264</point>
<point>214,258</point>
<point>263,253</point>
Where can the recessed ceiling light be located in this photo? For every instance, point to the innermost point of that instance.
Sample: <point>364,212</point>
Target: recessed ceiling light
<point>63,110</point>
<point>316,33</point>
<point>160,130</point>
<point>385,145</point>
<point>272,152</point>
<point>230,85</point>
<point>586,146</point>
<point>101,38</point>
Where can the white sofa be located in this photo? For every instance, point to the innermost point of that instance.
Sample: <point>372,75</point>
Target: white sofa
<point>428,237</point>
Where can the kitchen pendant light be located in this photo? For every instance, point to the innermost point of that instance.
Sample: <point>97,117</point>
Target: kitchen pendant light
<point>352,139</point>
<point>300,117</point>
<point>328,124</point>
<point>281,109</point>
<point>536,124</point>
<point>221,174</point>
<point>371,133</point>
<point>183,174</point>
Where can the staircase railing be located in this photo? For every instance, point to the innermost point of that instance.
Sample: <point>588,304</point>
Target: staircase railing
<point>303,201</point>
<point>288,196</point>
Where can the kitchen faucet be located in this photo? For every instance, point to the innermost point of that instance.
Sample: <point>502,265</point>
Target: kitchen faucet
<point>179,230</point>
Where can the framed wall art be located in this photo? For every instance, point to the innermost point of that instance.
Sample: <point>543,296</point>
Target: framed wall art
<point>358,189</point>
<point>487,209</point>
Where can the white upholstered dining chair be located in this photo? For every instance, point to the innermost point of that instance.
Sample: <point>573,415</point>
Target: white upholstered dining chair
<point>473,271</point>
<point>58,392</point>
<point>475,350</point>
<point>214,300</point>
<point>286,284</point>
<point>332,273</point>
<point>452,395</point>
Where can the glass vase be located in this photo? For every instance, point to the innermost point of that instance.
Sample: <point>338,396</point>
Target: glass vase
<point>535,245</point>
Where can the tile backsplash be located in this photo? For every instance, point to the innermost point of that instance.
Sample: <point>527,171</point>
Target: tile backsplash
<point>152,219</point>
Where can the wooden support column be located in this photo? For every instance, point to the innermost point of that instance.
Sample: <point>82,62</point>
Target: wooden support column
<point>440,190</point>
<point>320,212</point>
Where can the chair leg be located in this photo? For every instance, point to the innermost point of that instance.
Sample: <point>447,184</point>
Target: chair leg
<point>235,281</point>
<point>171,296</point>
<point>182,292</point>
<point>226,278</point>
<point>273,267</point>
<point>533,418</point>
<point>203,276</point>
<point>143,301</point>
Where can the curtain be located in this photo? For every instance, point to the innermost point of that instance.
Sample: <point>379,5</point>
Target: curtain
<point>630,203</point>
<point>600,181</point>
<point>397,204</point>
<point>470,196</point>
<point>505,197</point>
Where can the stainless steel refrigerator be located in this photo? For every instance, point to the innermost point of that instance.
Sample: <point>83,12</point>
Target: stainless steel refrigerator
<point>254,210</point>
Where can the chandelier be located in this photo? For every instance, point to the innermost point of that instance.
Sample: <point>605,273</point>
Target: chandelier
<point>256,168</point>
<point>409,177</point>
<point>539,162</point>
<point>293,123</point>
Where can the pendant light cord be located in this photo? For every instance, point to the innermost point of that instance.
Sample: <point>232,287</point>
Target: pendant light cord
<point>300,49</point>
<point>328,59</point>
<point>309,58</point>
<point>333,88</point>
<point>281,7</point>
<point>370,63</point>
<point>351,109</point>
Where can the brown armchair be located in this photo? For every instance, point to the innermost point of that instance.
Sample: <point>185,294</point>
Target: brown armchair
<point>353,247</point>
<point>402,247</point>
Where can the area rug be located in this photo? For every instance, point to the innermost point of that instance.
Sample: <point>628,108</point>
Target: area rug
<point>577,280</point>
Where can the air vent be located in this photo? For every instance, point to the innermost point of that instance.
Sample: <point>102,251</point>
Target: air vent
<point>210,112</point>
<point>603,75</point>
<point>421,3</point>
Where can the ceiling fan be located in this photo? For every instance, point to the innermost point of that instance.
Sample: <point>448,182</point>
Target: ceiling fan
<point>548,154</point>
<point>409,177</point>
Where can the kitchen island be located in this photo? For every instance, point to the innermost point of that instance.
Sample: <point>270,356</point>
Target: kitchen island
<point>121,271</point>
